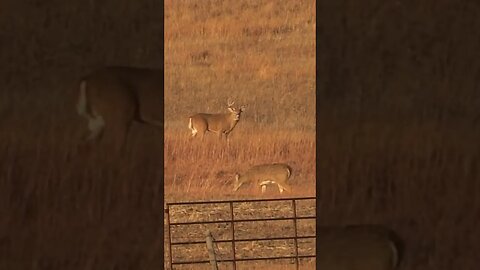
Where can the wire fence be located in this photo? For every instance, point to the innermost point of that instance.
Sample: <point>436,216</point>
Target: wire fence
<point>231,220</point>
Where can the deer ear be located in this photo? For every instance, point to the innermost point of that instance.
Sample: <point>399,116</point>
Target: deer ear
<point>231,109</point>
<point>237,176</point>
<point>242,108</point>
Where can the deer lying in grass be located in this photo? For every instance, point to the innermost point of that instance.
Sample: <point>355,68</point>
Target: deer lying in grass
<point>221,123</point>
<point>358,247</point>
<point>265,174</point>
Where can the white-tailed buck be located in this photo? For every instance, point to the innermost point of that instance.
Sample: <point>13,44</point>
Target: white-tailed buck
<point>262,175</point>
<point>113,98</point>
<point>358,247</point>
<point>221,123</point>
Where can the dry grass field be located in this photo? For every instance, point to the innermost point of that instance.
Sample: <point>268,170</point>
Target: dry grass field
<point>262,55</point>
<point>397,118</point>
<point>215,50</point>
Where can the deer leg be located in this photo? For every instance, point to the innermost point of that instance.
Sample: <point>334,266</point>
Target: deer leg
<point>202,133</point>
<point>236,187</point>
<point>194,132</point>
<point>226,138</point>
<point>283,187</point>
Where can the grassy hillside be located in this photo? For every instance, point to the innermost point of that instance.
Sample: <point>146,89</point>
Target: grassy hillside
<point>261,54</point>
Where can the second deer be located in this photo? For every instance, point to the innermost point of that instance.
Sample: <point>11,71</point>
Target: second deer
<point>262,175</point>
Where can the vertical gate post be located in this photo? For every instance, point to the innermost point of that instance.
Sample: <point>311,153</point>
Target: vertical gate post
<point>232,220</point>
<point>294,206</point>
<point>167,212</point>
<point>211,250</point>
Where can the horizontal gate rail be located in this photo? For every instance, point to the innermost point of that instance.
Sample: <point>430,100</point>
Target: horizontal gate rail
<point>242,201</point>
<point>239,220</point>
<point>247,259</point>
<point>232,221</point>
<point>244,240</point>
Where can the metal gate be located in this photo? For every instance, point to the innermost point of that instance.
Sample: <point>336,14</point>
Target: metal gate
<point>232,221</point>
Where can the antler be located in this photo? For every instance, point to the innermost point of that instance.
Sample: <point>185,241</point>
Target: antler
<point>230,102</point>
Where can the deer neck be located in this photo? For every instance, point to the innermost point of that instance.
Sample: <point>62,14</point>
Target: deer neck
<point>232,121</point>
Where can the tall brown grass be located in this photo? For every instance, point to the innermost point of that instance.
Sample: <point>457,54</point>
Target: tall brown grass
<point>194,167</point>
<point>398,122</point>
